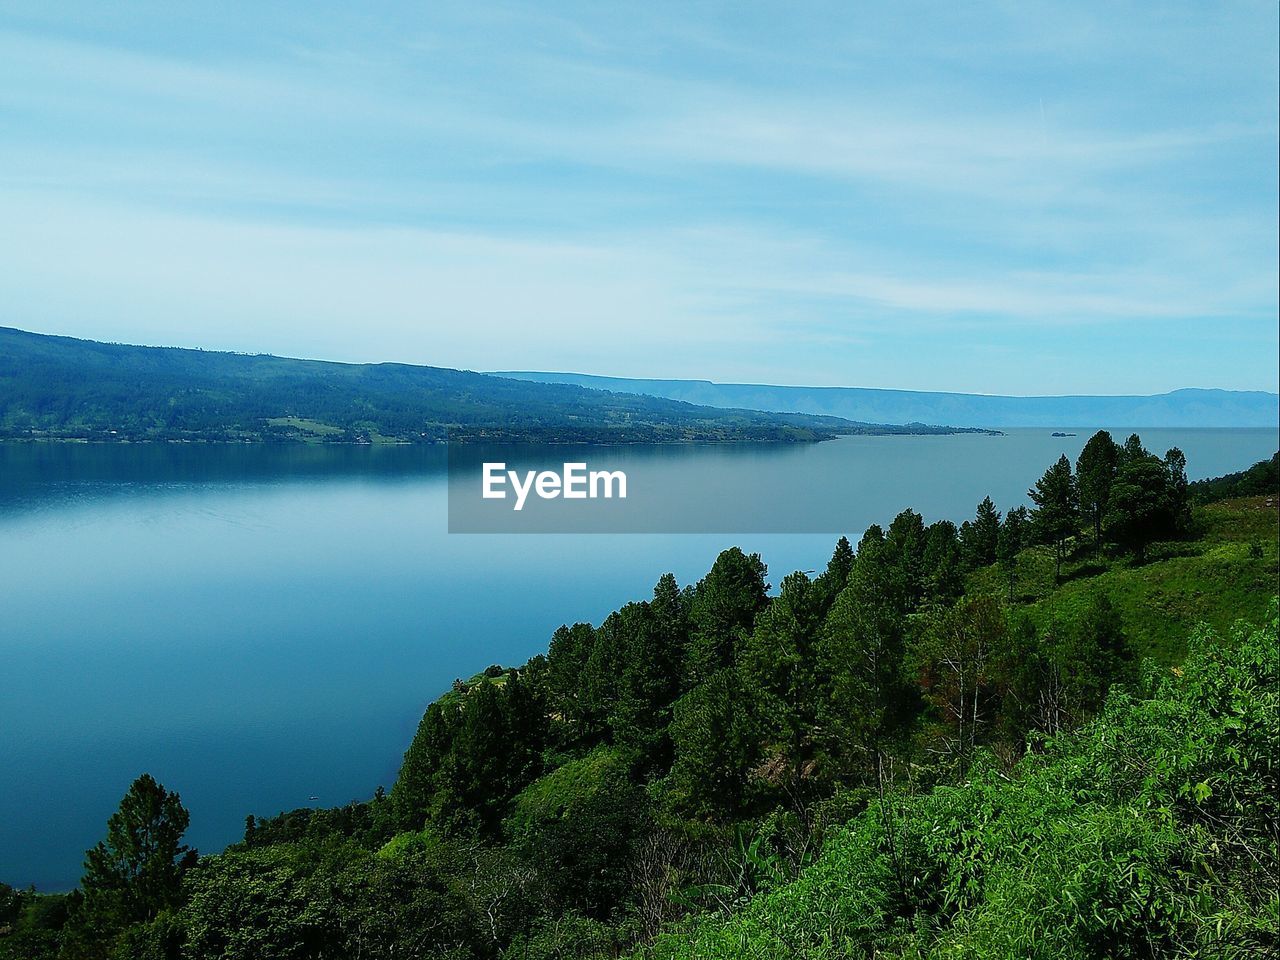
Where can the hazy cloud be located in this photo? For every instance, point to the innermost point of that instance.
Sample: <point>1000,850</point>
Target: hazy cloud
<point>799,193</point>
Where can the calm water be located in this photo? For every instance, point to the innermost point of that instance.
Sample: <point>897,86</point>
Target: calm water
<point>257,627</point>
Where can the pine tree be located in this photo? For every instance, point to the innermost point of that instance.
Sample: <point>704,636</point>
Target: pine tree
<point>670,606</point>
<point>648,681</point>
<point>841,562</point>
<point>1095,475</point>
<point>723,611</point>
<point>904,547</point>
<point>1095,657</point>
<point>943,567</point>
<point>860,654</point>
<point>413,795</point>
<point>779,664</point>
<point>832,580</point>
<point>1175,462</point>
<point>567,657</point>
<point>1013,539</point>
<point>957,653</point>
<point>1056,514</point>
<point>1141,505</point>
<point>981,537</point>
<point>140,864</point>
<point>716,744</point>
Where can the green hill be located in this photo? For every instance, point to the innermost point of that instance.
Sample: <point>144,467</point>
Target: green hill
<point>62,388</point>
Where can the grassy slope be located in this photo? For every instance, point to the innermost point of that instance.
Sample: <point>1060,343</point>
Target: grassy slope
<point>1228,572</point>
<point>59,387</point>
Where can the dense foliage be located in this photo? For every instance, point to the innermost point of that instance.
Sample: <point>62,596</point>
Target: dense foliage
<point>58,387</point>
<point>1151,831</point>
<point>948,742</point>
<point>1261,478</point>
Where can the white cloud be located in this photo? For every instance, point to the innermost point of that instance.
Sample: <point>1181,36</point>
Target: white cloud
<point>522,187</point>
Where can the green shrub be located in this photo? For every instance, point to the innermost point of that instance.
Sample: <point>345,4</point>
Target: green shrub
<point>1149,832</point>
<point>578,826</point>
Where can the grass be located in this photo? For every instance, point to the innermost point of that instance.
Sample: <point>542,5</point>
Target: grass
<point>456,694</point>
<point>1227,572</point>
<point>314,427</point>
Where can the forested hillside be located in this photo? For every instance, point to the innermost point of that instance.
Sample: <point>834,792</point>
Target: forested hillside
<point>1043,733</point>
<point>1261,478</point>
<point>61,388</point>
<point>1149,832</point>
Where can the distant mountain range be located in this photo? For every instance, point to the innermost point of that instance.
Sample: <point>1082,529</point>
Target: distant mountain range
<point>1180,408</point>
<point>63,388</point>
<point>60,388</point>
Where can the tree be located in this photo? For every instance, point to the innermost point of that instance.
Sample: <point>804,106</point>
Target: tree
<point>1095,474</point>
<point>524,712</point>
<point>1013,539</point>
<point>715,738</point>
<point>1175,462</point>
<point>142,859</point>
<point>1058,678</point>
<point>413,795</point>
<point>1030,681</point>
<point>600,678</point>
<point>841,563</point>
<point>942,564</point>
<point>861,655</point>
<point>1096,656</point>
<point>1132,450</point>
<point>956,654</point>
<point>252,904</point>
<point>132,879</point>
<point>646,645</point>
<point>1055,515</point>
<point>567,658</point>
<point>671,609</point>
<point>904,548</point>
<point>289,901</point>
<point>1142,504</point>
<point>1262,478</point>
<point>494,752</point>
<point>832,580</point>
<point>32,924</point>
<point>980,538</point>
<point>779,664</point>
<point>873,538</point>
<point>648,679</point>
<point>723,611</point>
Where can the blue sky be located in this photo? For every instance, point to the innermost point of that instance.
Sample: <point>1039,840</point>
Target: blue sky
<point>1000,198</point>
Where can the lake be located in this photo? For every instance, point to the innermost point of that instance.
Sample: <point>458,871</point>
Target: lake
<point>260,628</point>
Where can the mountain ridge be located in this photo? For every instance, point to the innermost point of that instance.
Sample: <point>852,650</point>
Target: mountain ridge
<point>1183,407</point>
<point>63,388</point>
